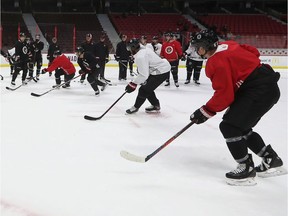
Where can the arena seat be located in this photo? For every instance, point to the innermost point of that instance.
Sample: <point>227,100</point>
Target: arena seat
<point>150,24</point>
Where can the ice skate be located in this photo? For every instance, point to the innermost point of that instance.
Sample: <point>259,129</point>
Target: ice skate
<point>97,93</point>
<point>271,164</point>
<point>196,82</point>
<point>13,83</point>
<point>56,86</point>
<point>187,82</point>
<point>67,85</point>
<point>167,83</point>
<point>243,175</point>
<point>24,82</point>
<point>177,84</point>
<point>104,86</point>
<point>132,110</point>
<point>152,108</point>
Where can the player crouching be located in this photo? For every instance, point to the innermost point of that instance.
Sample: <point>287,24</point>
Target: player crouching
<point>248,90</point>
<point>152,72</point>
<point>62,66</point>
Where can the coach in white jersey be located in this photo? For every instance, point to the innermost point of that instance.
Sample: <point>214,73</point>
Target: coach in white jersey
<point>155,46</point>
<point>152,72</point>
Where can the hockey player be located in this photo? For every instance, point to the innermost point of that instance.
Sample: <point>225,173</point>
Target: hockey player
<point>21,59</point>
<point>102,54</point>
<point>53,46</point>
<point>248,89</point>
<point>153,71</point>
<point>31,54</point>
<point>122,56</point>
<point>38,47</point>
<point>193,64</point>
<point>89,46</point>
<point>89,65</point>
<point>9,57</point>
<point>172,51</point>
<point>155,45</point>
<point>62,66</point>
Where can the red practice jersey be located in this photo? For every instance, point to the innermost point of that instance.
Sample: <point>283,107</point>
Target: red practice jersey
<point>171,50</point>
<point>228,68</point>
<point>62,62</point>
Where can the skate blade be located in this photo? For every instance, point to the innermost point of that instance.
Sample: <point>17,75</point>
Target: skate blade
<point>241,182</point>
<point>272,172</point>
<point>153,111</point>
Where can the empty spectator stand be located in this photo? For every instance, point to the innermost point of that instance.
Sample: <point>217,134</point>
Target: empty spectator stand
<point>256,29</point>
<point>12,24</point>
<point>62,26</point>
<point>151,24</point>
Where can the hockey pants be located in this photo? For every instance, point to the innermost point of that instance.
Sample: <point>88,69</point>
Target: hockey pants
<point>255,97</point>
<point>146,91</point>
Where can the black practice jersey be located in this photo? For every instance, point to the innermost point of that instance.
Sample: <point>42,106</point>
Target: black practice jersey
<point>21,51</point>
<point>101,51</point>
<point>88,63</point>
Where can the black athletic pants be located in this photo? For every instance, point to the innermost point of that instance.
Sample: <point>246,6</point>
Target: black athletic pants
<point>174,71</point>
<point>92,78</point>
<point>59,72</point>
<point>18,67</point>
<point>146,91</point>
<point>254,98</point>
<point>193,65</point>
<point>123,64</point>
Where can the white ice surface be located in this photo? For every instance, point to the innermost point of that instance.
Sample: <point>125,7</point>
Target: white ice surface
<point>56,163</point>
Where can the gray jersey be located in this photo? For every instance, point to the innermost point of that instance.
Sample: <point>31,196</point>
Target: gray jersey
<point>149,63</point>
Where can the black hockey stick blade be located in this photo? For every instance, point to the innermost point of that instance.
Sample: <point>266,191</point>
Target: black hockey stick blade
<point>97,118</point>
<point>139,159</point>
<point>12,89</point>
<point>36,95</point>
<point>92,118</point>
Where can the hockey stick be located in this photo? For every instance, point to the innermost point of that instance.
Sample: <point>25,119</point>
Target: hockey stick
<point>38,95</point>
<point>97,118</point>
<point>1,77</point>
<point>13,89</point>
<point>127,67</point>
<point>140,159</point>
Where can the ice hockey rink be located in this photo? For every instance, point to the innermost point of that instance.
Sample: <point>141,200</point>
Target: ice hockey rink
<point>56,163</point>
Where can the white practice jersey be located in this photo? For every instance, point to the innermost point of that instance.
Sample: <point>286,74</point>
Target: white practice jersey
<point>157,47</point>
<point>148,62</point>
<point>11,51</point>
<point>192,54</point>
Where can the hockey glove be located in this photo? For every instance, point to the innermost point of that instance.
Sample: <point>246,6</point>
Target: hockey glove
<point>201,115</point>
<point>117,58</point>
<point>44,71</point>
<point>130,87</point>
<point>183,58</point>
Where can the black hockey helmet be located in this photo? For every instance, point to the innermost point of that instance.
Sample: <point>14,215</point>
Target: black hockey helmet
<point>79,51</point>
<point>168,34</point>
<point>206,39</point>
<point>22,34</point>
<point>143,37</point>
<point>89,35</point>
<point>133,45</point>
<point>155,37</point>
<point>57,53</point>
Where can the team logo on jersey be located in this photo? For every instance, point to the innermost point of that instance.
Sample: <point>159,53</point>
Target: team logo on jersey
<point>24,50</point>
<point>169,49</point>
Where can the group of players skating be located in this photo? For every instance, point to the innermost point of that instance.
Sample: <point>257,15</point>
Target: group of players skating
<point>241,84</point>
